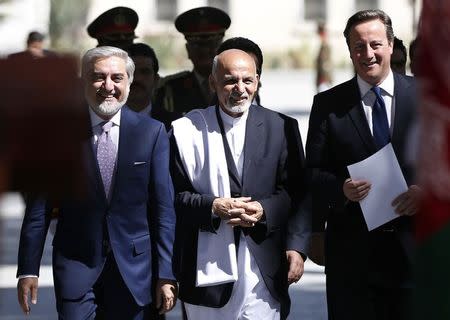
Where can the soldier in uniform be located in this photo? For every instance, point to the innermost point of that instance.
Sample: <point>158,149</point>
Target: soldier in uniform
<point>114,27</point>
<point>323,61</point>
<point>203,29</point>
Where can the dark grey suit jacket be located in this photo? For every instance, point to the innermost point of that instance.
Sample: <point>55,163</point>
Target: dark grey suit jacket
<point>265,179</point>
<point>339,135</point>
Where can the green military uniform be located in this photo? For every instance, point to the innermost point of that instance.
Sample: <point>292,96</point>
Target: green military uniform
<point>323,62</point>
<point>203,28</point>
<point>181,93</point>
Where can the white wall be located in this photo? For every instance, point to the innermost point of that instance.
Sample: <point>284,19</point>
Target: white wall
<point>21,17</point>
<point>276,25</point>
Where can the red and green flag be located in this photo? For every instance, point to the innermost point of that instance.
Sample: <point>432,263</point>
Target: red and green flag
<point>433,222</point>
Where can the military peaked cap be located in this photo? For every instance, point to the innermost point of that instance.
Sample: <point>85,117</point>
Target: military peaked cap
<point>115,20</point>
<point>202,23</point>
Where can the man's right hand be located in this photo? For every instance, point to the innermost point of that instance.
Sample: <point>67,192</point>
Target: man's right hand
<point>356,190</point>
<point>27,287</point>
<point>222,206</point>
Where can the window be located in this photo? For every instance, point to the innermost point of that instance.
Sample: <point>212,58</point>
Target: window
<point>365,4</point>
<point>220,4</point>
<point>166,9</point>
<point>315,10</point>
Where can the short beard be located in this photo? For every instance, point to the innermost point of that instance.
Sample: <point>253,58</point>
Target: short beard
<point>240,108</point>
<point>108,109</point>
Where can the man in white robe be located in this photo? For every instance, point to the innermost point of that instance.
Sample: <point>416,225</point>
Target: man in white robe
<point>229,166</point>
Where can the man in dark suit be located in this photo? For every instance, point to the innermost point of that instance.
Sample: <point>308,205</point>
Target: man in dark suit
<point>229,167</point>
<point>203,28</point>
<point>368,273</point>
<point>145,80</point>
<point>102,261</point>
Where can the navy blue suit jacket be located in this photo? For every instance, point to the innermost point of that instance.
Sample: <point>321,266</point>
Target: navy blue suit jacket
<point>139,216</point>
<point>339,135</point>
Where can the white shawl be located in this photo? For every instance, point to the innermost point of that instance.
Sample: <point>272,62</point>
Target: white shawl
<point>202,152</point>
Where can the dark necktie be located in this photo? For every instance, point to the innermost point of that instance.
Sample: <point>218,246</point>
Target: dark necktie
<point>380,124</point>
<point>106,156</point>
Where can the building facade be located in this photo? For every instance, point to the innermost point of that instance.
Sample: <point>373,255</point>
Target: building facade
<point>286,29</point>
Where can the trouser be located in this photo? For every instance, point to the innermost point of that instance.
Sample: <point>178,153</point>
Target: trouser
<point>348,301</point>
<point>109,299</point>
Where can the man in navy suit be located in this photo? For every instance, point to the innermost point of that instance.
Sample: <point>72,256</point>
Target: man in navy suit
<point>368,273</point>
<point>229,165</point>
<point>107,242</point>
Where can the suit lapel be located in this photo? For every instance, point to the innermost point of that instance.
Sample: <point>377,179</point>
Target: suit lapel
<point>94,178</point>
<point>254,134</point>
<point>401,112</point>
<point>93,171</point>
<point>232,170</point>
<point>358,116</point>
<point>127,132</point>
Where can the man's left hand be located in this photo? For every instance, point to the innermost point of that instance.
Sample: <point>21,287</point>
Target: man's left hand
<point>408,202</point>
<point>246,216</point>
<point>166,295</point>
<point>296,266</point>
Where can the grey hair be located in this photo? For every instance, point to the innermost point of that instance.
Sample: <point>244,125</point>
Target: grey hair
<point>214,65</point>
<point>105,52</point>
<point>368,15</point>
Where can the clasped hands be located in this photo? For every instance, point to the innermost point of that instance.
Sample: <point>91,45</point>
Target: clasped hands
<point>406,204</point>
<point>238,211</point>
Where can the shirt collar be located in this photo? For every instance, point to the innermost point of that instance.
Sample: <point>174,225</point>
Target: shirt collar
<point>96,120</point>
<point>230,121</point>
<point>387,85</point>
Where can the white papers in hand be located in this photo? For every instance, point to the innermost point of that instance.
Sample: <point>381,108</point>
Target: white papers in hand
<point>383,172</point>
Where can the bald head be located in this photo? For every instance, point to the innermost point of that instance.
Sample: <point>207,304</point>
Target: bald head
<point>235,81</point>
<point>231,56</point>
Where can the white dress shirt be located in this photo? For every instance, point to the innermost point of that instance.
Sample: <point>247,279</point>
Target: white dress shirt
<point>97,129</point>
<point>368,99</point>
<point>235,133</point>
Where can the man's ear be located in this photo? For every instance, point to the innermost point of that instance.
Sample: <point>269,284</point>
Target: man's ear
<point>257,81</point>
<point>188,50</point>
<point>212,83</point>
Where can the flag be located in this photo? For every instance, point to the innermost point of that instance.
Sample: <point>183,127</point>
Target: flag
<point>433,221</point>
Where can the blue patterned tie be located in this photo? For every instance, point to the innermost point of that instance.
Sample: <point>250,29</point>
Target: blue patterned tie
<point>106,156</point>
<point>380,124</point>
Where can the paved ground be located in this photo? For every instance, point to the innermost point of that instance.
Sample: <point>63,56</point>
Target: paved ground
<point>285,91</point>
<point>308,296</point>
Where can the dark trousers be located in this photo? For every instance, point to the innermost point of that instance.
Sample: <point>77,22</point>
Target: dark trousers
<point>108,299</point>
<point>354,301</point>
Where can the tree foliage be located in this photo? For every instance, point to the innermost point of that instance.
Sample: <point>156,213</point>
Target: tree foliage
<point>67,23</point>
